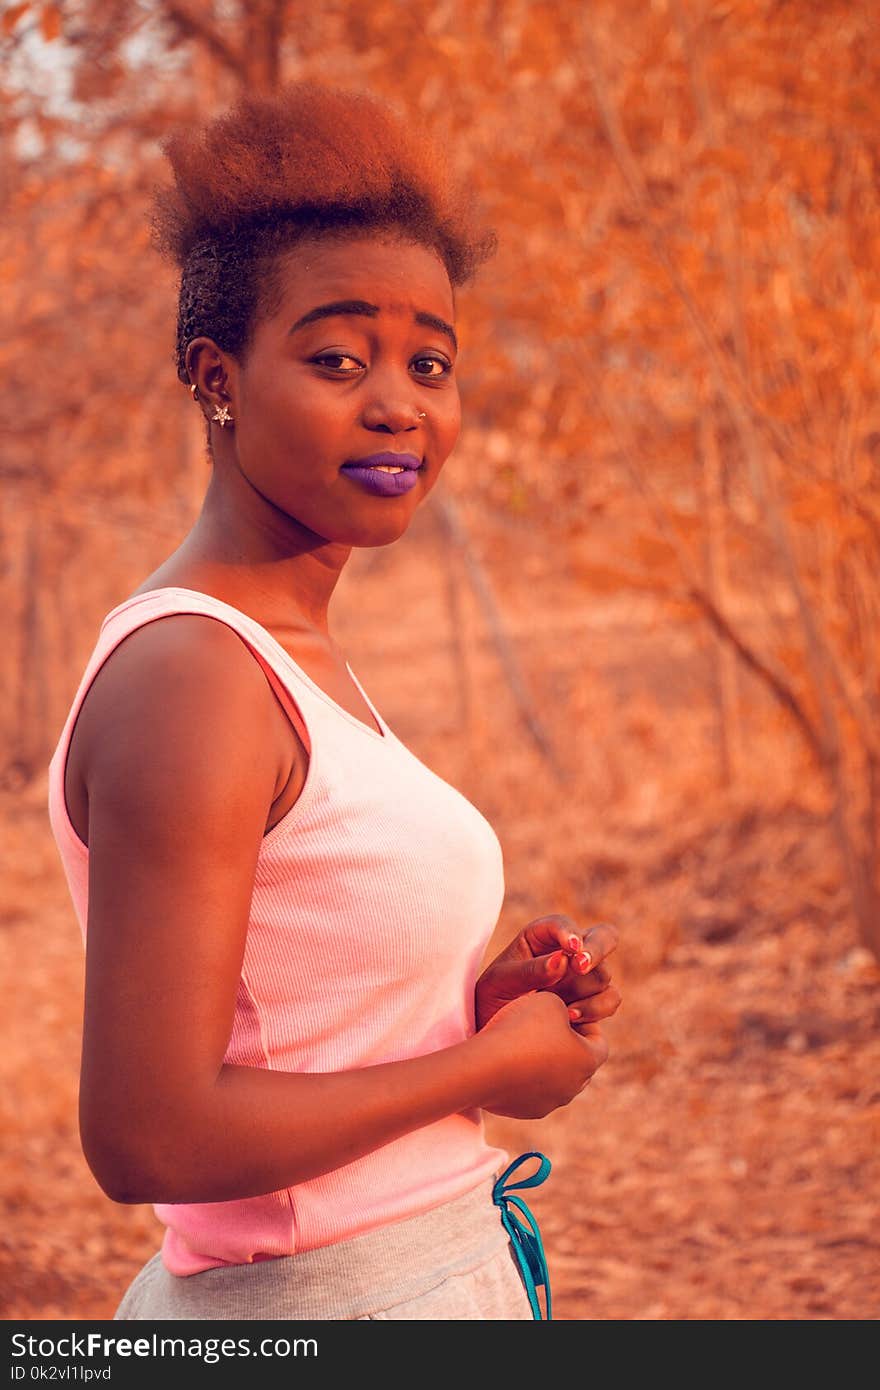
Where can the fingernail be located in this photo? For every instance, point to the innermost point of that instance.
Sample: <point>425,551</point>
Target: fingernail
<point>554,962</point>
<point>582,962</point>
<point>574,943</point>
<point>574,1014</point>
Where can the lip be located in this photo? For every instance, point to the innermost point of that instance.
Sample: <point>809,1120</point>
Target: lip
<point>382,484</point>
<point>409,461</point>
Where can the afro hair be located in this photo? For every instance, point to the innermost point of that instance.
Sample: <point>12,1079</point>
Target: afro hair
<point>306,161</point>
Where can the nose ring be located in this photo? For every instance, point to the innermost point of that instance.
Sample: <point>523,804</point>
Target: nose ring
<point>422,414</point>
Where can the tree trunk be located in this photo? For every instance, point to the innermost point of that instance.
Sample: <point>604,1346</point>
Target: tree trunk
<point>726,680</point>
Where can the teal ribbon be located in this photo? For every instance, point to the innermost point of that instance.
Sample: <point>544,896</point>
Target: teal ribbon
<point>524,1234</point>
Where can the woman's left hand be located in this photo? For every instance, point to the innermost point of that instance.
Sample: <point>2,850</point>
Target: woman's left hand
<point>552,954</point>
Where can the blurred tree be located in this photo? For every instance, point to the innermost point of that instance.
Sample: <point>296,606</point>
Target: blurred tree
<point>671,363</point>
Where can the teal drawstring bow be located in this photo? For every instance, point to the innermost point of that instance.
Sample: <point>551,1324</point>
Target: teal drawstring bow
<point>525,1239</point>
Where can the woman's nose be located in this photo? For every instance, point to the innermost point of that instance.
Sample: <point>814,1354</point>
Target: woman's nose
<point>392,416</point>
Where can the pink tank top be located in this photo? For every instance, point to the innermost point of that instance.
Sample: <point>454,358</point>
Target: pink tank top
<point>377,847</point>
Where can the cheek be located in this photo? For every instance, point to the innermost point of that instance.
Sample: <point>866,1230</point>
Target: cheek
<point>449,421</point>
<point>293,414</point>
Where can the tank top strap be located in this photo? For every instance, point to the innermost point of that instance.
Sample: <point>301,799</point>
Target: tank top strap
<point>302,700</point>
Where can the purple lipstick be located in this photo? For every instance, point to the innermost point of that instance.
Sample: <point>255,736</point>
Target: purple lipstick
<point>386,475</point>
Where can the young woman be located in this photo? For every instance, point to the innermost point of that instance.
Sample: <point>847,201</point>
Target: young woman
<point>288,1042</point>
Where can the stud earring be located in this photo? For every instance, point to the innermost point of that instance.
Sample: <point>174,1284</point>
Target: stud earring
<point>222,415</point>
<point>194,391</point>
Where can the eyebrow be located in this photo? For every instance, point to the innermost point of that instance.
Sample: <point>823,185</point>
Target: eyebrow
<point>341,307</point>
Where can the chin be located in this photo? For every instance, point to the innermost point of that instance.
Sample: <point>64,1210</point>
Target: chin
<point>363,537</point>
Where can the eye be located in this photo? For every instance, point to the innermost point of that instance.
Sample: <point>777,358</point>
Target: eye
<point>342,363</point>
<point>432,367</point>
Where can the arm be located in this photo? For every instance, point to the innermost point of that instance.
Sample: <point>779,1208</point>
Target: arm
<point>181,773</point>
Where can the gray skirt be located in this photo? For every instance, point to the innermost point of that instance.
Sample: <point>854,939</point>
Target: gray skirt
<point>454,1263</point>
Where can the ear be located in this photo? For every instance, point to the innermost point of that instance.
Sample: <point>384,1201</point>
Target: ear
<point>213,372</point>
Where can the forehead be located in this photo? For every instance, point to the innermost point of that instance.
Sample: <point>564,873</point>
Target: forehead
<point>397,275</point>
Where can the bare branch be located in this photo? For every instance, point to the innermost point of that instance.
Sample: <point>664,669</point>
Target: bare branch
<point>193,25</point>
<point>763,668</point>
<point>733,383</point>
<point>455,527</point>
<point>773,675</point>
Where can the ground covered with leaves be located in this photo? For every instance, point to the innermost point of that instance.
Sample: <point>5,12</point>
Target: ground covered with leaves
<point>724,1163</point>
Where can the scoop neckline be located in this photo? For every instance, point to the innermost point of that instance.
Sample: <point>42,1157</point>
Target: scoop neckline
<point>382,733</point>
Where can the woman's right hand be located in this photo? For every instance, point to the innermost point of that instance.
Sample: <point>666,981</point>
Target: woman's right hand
<point>541,1062</point>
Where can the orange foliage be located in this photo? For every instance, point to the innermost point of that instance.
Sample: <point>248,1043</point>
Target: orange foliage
<point>670,467</point>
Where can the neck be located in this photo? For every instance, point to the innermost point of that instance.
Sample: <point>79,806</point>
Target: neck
<point>282,567</point>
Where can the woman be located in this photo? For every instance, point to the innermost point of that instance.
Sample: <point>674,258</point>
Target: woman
<point>287,1047</point>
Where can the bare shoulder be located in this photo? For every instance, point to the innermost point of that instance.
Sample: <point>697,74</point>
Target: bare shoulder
<point>176,707</point>
<point>180,775</point>
<point>182,726</point>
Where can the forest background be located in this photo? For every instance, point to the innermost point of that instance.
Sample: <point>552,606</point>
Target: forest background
<point>641,616</point>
